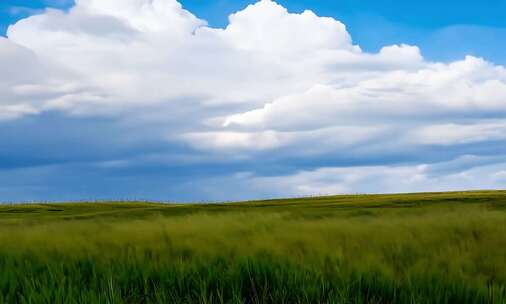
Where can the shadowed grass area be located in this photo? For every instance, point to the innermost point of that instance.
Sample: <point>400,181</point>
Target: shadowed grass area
<point>411,248</point>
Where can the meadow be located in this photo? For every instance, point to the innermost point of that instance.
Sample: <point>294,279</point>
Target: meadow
<point>405,248</point>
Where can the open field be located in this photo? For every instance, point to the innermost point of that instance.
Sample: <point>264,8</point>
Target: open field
<point>412,248</point>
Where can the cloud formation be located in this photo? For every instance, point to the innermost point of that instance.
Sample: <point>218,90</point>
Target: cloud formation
<point>275,97</point>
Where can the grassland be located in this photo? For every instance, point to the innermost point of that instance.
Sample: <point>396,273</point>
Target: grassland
<point>414,248</point>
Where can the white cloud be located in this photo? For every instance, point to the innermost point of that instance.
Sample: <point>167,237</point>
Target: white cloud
<point>268,27</point>
<point>449,104</point>
<point>8,112</point>
<point>142,52</point>
<point>451,134</point>
<point>237,140</point>
<point>471,86</point>
<point>302,67</point>
<point>165,16</point>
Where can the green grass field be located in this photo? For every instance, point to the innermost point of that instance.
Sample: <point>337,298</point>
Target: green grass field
<point>412,248</point>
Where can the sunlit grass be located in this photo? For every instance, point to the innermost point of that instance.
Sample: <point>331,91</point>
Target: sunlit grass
<point>419,248</point>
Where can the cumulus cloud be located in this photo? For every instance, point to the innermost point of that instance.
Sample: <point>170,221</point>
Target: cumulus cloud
<point>467,88</point>
<point>133,53</point>
<point>271,92</point>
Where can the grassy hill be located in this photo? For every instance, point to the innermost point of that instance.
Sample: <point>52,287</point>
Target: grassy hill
<point>409,248</point>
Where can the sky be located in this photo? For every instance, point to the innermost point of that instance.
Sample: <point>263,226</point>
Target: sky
<point>229,100</point>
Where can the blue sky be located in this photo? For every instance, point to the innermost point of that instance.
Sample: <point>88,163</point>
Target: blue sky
<point>138,99</point>
<point>445,30</point>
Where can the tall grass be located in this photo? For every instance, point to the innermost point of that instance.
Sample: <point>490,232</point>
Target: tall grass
<point>425,248</point>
